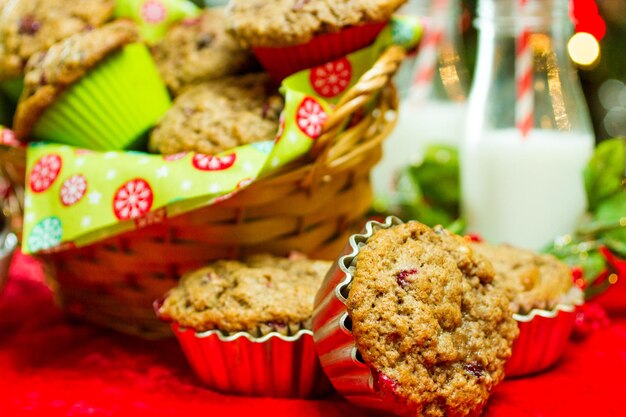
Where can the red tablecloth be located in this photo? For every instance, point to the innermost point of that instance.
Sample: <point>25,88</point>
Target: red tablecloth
<point>52,367</point>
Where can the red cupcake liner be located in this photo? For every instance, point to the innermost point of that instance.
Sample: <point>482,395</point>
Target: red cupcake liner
<point>333,336</point>
<point>542,339</point>
<point>284,61</point>
<point>270,366</point>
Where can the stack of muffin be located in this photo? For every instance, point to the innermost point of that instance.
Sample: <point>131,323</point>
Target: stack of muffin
<point>413,321</point>
<point>87,81</point>
<point>64,56</point>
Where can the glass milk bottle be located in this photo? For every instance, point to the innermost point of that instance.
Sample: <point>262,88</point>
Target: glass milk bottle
<point>528,134</point>
<point>433,90</point>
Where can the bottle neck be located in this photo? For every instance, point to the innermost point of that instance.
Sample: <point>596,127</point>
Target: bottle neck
<point>511,16</point>
<point>444,59</point>
<point>538,81</point>
<point>442,14</point>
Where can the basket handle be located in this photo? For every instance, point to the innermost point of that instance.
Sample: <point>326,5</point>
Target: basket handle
<point>370,84</point>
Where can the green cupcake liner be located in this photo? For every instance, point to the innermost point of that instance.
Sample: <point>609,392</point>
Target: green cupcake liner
<point>112,107</point>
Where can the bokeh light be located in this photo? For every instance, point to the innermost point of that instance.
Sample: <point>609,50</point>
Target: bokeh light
<point>584,49</point>
<point>615,122</point>
<point>610,93</point>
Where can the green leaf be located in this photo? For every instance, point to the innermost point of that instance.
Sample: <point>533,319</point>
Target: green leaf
<point>457,226</point>
<point>612,208</point>
<point>593,265</point>
<point>584,255</point>
<point>613,211</point>
<point>438,176</point>
<point>605,172</point>
<point>408,189</point>
<point>429,192</point>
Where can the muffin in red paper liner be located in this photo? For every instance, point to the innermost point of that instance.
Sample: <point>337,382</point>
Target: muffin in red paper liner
<point>544,299</point>
<point>291,35</point>
<point>542,339</point>
<point>282,62</point>
<point>245,326</point>
<point>409,322</point>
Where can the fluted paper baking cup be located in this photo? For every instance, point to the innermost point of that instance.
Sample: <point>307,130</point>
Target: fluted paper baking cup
<point>284,61</point>
<point>542,339</point>
<point>112,107</point>
<point>270,366</point>
<point>332,329</point>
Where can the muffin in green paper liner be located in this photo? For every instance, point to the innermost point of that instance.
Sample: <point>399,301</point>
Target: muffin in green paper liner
<point>31,26</point>
<point>99,90</point>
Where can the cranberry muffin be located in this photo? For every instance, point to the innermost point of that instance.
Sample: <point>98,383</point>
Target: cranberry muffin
<point>219,115</point>
<point>31,26</point>
<point>530,280</point>
<point>431,331</point>
<point>199,49</point>
<point>254,317</point>
<point>257,296</point>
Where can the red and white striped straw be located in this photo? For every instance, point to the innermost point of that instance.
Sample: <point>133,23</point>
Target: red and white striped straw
<point>524,106</point>
<point>426,63</point>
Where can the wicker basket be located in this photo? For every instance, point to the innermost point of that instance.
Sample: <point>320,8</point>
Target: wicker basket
<point>312,207</point>
<point>12,168</point>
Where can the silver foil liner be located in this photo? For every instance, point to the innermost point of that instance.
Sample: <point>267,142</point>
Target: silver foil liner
<point>274,365</point>
<point>332,328</point>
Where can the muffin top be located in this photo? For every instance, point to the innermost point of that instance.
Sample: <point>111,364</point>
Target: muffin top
<point>199,49</point>
<point>428,320</point>
<point>258,296</point>
<point>290,22</point>
<point>530,280</point>
<point>49,73</point>
<point>219,115</point>
<point>31,26</point>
